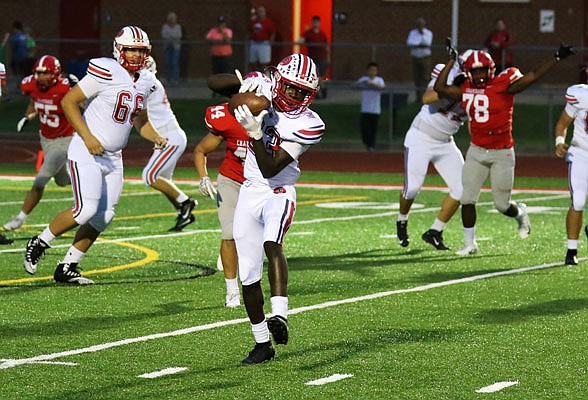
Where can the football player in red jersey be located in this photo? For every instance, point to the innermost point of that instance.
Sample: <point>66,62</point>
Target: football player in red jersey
<point>489,103</point>
<point>46,87</point>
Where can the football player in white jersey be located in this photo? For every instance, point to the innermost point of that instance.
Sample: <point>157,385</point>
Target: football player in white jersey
<point>3,239</point>
<point>430,140</point>
<point>117,89</point>
<point>159,170</point>
<point>267,199</point>
<point>576,155</point>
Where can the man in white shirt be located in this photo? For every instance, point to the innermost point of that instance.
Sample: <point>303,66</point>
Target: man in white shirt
<point>371,86</point>
<point>419,41</point>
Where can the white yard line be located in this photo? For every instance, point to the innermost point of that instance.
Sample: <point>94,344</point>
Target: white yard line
<point>495,387</point>
<point>163,372</point>
<point>10,363</point>
<point>328,379</point>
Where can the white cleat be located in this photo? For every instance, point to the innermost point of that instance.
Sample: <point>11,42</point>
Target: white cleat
<point>468,250</point>
<point>233,299</point>
<point>13,224</point>
<point>523,221</point>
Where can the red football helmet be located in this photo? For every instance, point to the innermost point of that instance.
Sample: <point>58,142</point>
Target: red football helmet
<point>297,72</point>
<point>131,37</point>
<point>47,71</point>
<point>479,59</point>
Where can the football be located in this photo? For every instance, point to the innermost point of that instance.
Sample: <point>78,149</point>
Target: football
<point>255,103</point>
<point>224,84</point>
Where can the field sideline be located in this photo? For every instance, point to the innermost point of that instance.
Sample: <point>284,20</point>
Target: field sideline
<point>365,320</point>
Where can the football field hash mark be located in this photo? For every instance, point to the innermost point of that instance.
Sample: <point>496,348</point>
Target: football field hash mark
<point>495,387</point>
<point>163,372</point>
<point>328,379</point>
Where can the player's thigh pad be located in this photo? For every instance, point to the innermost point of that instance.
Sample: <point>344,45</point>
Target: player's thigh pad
<point>111,191</point>
<point>502,177</point>
<point>578,176</point>
<point>448,162</point>
<point>248,233</point>
<point>86,185</point>
<point>228,193</point>
<point>278,214</point>
<point>416,162</point>
<point>475,171</point>
<point>54,161</point>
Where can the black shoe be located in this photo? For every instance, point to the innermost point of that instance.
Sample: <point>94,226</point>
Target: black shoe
<point>434,238</point>
<point>402,233</point>
<point>5,240</point>
<point>185,216</point>
<point>278,326</point>
<point>68,273</point>
<point>262,352</point>
<point>35,249</point>
<point>572,257</point>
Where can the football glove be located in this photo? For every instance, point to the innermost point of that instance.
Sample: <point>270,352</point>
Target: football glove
<point>564,51</point>
<point>21,123</point>
<point>250,122</point>
<point>207,188</point>
<point>73,80</point>
<point>451,50</point>
<point>239,76</point>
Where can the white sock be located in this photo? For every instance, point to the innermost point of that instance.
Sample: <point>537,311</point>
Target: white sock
<point>572,244</point>
<point>438,225</point>
<point>22,216</point>
<point>73,255</point>
<point>402,217</point>
<point>280,306</point>
<point>469,235</point>
<point>47,236</point>
<point>260,332</point>
<point>182,197</point>
<point>232,285</point>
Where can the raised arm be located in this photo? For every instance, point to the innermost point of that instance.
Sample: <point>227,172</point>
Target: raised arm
<point>441,86</point>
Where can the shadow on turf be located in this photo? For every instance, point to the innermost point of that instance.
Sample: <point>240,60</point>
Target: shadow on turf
<point>551,308</point>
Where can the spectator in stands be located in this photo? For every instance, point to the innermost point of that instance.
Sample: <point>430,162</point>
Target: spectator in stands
<point>371,86</point>
<point>171,33</point>
<point>19,51</point>
<point>31,50</point>
<point>262,31</point>
<point>419,41</point>
<point>317,49</point>
<point>498,43</point>
<point>221,50</point>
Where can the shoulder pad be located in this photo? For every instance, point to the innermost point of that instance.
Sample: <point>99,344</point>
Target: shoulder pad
<point>99,68</point>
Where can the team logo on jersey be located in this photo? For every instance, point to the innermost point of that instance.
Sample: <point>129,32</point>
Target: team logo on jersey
<point>279,190</point>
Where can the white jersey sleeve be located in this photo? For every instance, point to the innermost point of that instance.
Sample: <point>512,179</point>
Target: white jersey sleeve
<point>577,108</point>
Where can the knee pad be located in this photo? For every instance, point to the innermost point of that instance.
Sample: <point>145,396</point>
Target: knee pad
<point>502,206</point>
<point>145,176</point>
<point>410,193</point>
<point>101,220</point>
<point>578,202</point>
<point>86,211</point>
<point>41,181</point>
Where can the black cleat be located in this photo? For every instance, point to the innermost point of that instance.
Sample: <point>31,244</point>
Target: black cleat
<point>572,257</point>
<point>68,273</point>
<point>262,352</point>
<point>435,239</point>
<point>402,233</point>
<point>35,250</point>
<point>278,326</point>
<point>5,240</point>
<point>185,216</point>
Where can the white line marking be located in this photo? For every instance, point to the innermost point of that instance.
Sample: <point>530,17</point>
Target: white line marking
<point>167,371</point>
<point>495,387</point>
<point>9,363</point>
<point>328,379</point>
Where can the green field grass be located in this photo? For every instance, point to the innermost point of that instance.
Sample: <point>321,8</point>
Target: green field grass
<point>401,323</point>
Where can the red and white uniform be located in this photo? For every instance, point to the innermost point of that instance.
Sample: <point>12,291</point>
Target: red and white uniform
<point>114,98</point>
<point>221,123</point>
<point>47,103</point>
<point>2,77</point>
<point>490,110</point>
<point>577,156</point>
<point>163,161</point>
<point>430,140</point>
<point>266,206</point>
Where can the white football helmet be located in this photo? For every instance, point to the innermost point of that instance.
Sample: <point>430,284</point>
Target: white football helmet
<point>298,72</point>
<point>131,37</point>
<point>150,65</point>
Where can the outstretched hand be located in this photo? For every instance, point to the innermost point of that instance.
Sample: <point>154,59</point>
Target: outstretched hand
<point>250,122</point>
<point>564,51</point>
<point>451,50</point>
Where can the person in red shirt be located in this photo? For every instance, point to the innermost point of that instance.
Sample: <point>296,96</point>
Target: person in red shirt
<point>488,101</point>
<point>317,48</point>
<point>262,31</point>
<point>498,43</point>
<point>46,87</point>
<point>223,127</point>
